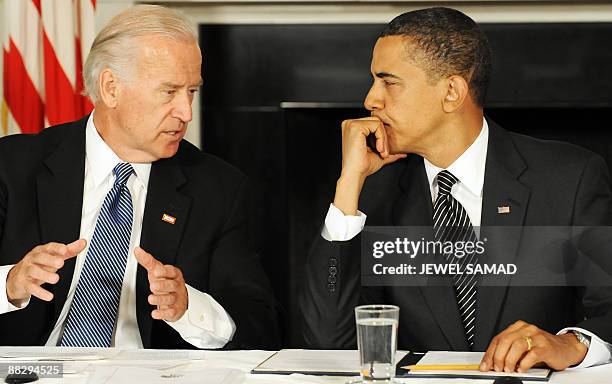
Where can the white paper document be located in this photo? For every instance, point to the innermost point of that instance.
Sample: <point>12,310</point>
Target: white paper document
<point>93,354</point>
<point>314,362</point>
<point>77,360</point>
<point>56,353</point>
<point>131,375</point>
<point>468,358</point>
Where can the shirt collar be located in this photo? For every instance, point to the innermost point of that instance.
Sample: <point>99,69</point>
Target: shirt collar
<point>469,168</point>
<point>102,159</point>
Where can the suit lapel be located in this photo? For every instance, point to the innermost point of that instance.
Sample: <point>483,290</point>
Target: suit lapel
<point>415,208</point>
<point>59,189</point>
<point>159,237</point>
<point>504,203</point>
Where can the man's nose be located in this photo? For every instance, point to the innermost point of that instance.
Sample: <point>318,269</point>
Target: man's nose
<point>373,101</point>
<point>182,108</point>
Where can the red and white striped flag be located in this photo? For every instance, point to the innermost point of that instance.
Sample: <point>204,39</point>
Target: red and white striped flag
<point>45,45</point>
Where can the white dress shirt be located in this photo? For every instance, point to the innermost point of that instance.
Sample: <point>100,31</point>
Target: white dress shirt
<point>205,324</point>
<point>469,168</point>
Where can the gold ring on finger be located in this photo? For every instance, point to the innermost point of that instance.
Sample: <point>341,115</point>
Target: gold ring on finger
<point>529,342</point>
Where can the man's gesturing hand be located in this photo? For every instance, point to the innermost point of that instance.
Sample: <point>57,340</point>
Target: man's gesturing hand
<point>510,350</point>
<point>167,285</point>
<point>39,266</point>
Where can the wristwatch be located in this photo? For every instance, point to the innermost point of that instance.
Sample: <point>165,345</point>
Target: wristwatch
<point>584,339</point>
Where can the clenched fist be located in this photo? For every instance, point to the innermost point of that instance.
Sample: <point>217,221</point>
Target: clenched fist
<point>360,161</point>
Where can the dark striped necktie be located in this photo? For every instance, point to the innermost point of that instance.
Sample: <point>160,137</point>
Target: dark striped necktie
<point>452,223</point>
<point>93,313</point>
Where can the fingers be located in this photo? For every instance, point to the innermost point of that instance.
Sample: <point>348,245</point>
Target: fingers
<point>486,364</point>
<point>51,256</point>
<point>378,129</point>
<point>393,158</point>
<point>36,272</point>
<point>145,259</point>
<point>55,249</point>
<point>501,351</point>
<point>168,314</point>
<point>517,350</point>
<point>515,326</point>
<point>167,286</point>
<point>527,362</point>
<point>510,351</point>
<point>366,126</point>
<point>162,299</point>
<point>75,248</point>
<point>488,360</point>
<point>165,272</point>
<point>36,291</point>
<point>164,286</point>
<point>50,262</point>
<point>63,251</point>
<point>162,278</point>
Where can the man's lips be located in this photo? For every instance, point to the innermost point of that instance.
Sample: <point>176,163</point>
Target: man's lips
<point>176,133</point>
<point>385,123</point>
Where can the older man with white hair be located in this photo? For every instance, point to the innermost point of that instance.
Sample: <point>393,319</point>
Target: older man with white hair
<point>114,231</point>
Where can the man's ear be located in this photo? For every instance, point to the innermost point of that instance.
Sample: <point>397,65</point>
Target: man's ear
<point>109,88</point>
<point>456,93</point>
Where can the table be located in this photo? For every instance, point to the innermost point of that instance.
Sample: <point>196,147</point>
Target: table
<point>244,361</point>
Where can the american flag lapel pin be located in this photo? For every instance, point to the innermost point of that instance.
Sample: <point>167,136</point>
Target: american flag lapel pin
<point>168,219</point>
<point>503,209</point>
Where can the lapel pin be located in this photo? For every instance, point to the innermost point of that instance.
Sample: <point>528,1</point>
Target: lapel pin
<point>503,209</point>
<point>169,219</point>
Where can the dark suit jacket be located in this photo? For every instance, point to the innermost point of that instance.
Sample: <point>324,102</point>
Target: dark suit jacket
<point>545,184</point>
<point>41,195</point>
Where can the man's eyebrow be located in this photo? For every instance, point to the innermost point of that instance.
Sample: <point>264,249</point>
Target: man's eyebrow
<point>168,84</point>
<point>386,75</point>
<point>171,85</point>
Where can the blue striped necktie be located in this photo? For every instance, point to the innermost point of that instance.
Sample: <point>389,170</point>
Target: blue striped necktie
<point>93,313</point>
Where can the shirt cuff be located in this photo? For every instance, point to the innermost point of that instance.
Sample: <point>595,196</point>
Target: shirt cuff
<point>599,352</point>
<point>205,324</point>
<point>341,227</point>
<point>5,305</point>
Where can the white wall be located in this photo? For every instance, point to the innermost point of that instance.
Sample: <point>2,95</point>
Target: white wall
<point>106,9</point>
<point>382,11</point>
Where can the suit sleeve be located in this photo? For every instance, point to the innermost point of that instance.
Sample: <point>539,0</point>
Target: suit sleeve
<point>332,289</point>
<point>592,209</point>
<point>239,283</point>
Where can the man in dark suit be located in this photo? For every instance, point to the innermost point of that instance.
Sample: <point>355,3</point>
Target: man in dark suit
<point>116,232</point>
<point>437,162</point>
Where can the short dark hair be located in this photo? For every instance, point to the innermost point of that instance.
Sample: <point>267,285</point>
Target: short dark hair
<point>446,42</point>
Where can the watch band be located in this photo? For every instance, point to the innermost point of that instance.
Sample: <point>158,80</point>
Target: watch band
<point>584,339</point>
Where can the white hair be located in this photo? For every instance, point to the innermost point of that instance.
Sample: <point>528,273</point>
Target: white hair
<point>114,47</point>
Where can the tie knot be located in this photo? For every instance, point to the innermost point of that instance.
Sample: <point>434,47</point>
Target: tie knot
<point>446,180</point>
<point>122,171</point>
